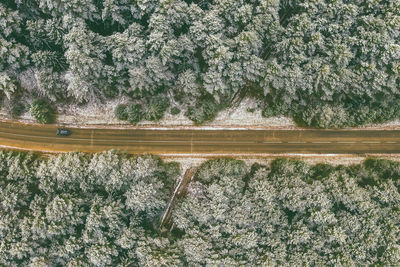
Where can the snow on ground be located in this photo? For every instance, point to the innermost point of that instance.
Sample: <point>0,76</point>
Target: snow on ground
<point>236,116</point>
<point>395,124</point>
<point>312,159</point>
<point>185,162</point>
<point>103,114</point>
<point>239,115</point>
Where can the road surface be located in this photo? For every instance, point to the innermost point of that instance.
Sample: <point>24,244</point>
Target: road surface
<point>186,141</point>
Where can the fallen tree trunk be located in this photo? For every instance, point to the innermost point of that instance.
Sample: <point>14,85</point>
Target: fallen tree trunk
<point>179,192</point>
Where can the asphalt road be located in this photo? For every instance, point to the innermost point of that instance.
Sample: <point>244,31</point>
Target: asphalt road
<point>138,141</point>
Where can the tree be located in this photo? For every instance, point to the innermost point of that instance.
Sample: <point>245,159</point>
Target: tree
<point>42,111</point>
<point>7,85</point>
<point>296,58</point>
<point>325,117</point>
<point>134,113</point>
<point>175,111</point>
<point>283,212</point>
<point>86,58</point>
<point>50,84</point>
<point>81,9</point>
<point>155,110</point>
<point>10,21</point>
<point>17,107</point>
<point>120,112</point>
<point>143,198</point>
<point>49,60</point>
<point>204,110</point>
<point>148,79</point>
<point>78,209</point>
<point>13,56</point>
<point>62,211</point>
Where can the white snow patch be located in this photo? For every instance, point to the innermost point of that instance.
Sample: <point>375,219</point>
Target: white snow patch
<point>102,114</point>
<point>239,115</point>
<point>312,159</point>
<point>234,118</point>
<point>99,114</point>
<point>395,124</point>
<point>184,162</point>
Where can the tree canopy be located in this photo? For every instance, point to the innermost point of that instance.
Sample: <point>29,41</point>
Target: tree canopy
<point>291,214</point>
<point>104,209</point>
<point>297,58</point>
<point>76,209</point>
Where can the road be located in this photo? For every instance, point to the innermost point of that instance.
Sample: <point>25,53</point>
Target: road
<point>189,141</point>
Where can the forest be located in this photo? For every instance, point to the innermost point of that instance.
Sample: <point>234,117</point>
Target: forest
<point>104,209</point>
<point>325,63</point>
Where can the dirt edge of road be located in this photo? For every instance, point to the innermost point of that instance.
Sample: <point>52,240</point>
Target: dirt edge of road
<point>191,127</point>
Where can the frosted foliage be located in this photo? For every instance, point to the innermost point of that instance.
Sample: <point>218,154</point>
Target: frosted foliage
<point>143,7</point>
<point>196,248</point>
<point>85,210</point>
<point>63,172</point>
<point>104,209</point>
<point>187,83</point>
<point>50,84</point>
<point>146,167</point>
<point>13,56</point>
<point>100,255</point>
<point>58,209</point>
<point>147,79</point>
<point>115,10</point>
<point>245,224</point>
<point>128,238</point>
<point>7,85</point>
<point>13,197</point>
<point>139,80</point>
<point>144,197</point>
<point>79,89</point>
<point>38,262</point>
<point>324,64</point>
<point>9,21</point>
<point>90,76</point>
<point>85,9</point>
<point>128,49</point>
<point>103,169</point>
<point>27,80</point>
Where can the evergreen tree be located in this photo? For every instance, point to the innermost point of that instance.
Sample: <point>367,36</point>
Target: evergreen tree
<point>7,85</point>
<point>42,111</point>
<point>291,55</point>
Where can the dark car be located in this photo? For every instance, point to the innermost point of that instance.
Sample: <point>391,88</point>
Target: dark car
<point>63,132</point>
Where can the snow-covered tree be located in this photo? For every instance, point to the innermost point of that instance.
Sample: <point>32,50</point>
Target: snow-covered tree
<point>8,85</point>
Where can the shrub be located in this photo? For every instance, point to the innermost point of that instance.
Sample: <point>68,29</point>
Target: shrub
<point>324,116</point>
<point>16,108</point>
<point>156,108</point>
<point>204,110</point>
<point>267,113</point>
<point>120,112</point>
<point>134,113</point>
<point>321,170</point>
<point>175,111</point>
<point>43,111</point>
